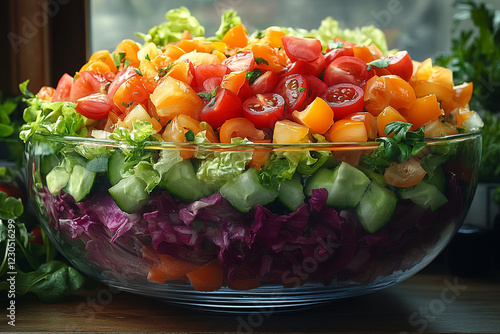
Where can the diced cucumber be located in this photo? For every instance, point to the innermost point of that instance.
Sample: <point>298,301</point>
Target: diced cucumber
<point>376,207</point>
<point>425,195</point>
<point>346,185</point>
<point>438,179</point>
<point>47,163</point>
<point>80,182</point>
<point>291,193</point>
<point>181,181</point>
<point>57,179</point>
<point>246,191</point>
<point>130,194</point>
<point>115,167</point>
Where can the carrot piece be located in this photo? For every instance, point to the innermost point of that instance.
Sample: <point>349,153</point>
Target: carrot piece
<point>208,277</point>
<point>171,268</point>
<point>236,37</point>
<point>318,116</point>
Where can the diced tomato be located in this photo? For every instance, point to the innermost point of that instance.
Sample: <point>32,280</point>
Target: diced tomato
<point>96,66</point>
<point>268,58</point>
<point>318,116</point>
<point>336,53</point>
<point>362,52</point>
<point>183,71</point>
<point>104,56</point>
<point>314,67</point>
<point>288,132</point>
<point>347,130</point>
<point>46,93</point>
<point>63,89</point>
<point>95,106</point>
<point>462,94</point>
<point>388,115</point>
<point>225,105</point>
<point>204,72</point>
<point>316,86</point>
<point>404,174</point>
<point>87,83</point>
<point>304,49</point>
<point>234,81</point>
<point>388,90</point>
<point>347,70</point>
<point>122,76</point>
<point>368,119</point>
<point>240,127</point>
<point>35,236</point>
<point>344,99</point>
<point>243,61</point>
<point>200,58</point>
<point>264,109</point>
<point>130,48</point>
<point>265,83</point>
<point>235,37</point>
<point>210,84</point>
<point>131,93</point>
<point>423,110</point>
<point>173,97</point>
<point>294,90</point>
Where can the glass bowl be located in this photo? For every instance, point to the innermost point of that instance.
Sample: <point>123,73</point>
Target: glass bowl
<point>230,243</point>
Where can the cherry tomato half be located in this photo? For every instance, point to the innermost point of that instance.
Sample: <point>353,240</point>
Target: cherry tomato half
<point>243,61</point>
<point>337,53</point>
<point>225,105</point>
<point>206,71</point>
<point>95,106</point>
<point>405,174</point>
<point>264,109</point>
<point>294,89</point>
<point>87,83</point>
<point>305,49</point>
<point>314,67</point>
<point>265,83</point>
<point>347,69</point>
<point>344,99</point>
<point>400,64</point>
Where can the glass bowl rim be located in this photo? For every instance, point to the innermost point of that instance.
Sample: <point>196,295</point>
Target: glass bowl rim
<point>373,144</point>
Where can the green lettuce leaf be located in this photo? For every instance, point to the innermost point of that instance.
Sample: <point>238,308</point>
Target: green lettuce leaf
<point>60,118</point>
<point>229,19</point>
<point>218,167</point>
<point>10,207</point>
<point>178,20</point>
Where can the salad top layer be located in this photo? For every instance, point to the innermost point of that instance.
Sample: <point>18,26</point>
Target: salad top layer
<point>278,85</point>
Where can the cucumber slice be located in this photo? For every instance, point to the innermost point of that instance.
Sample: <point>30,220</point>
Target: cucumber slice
<point>346,185</point>
<point>426,195</point>
<point>130,194</point>
<point>291,193</point>
<point>57,179</point>
<point>181,181</point>
<point>438,179</point>
<point>80,183</point>
<point>376,207</point>
<point>115,167</point>
<point>246,191</point>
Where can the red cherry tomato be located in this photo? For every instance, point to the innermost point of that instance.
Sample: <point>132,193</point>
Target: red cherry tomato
<point>337,53</point>
<point>87,83</point>
<point>120,78</point>
<point>35,236</point>
<point>95,106</point>
<point>263,110</point>
<point>347,70</point>
<point>305,49</point>
<point>12,190</point>
<point>206,71</point>
<point>63,89</point>
<point>211,83</point>
<point>405,174</point>
<point>294,89</point>
<point>265,83</point>
<point>223,106</point>
<point>314,67</point>
<point>243,61</point>
<point>344,99</point>
<point>400,64</point>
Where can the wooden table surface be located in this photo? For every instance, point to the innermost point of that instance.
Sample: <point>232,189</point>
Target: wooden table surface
<point>427,302</point>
